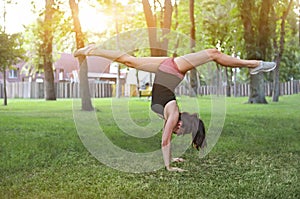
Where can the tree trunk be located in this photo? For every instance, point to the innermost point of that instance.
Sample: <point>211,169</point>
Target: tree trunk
<point>264,29</point>
<point>166,26</point>
<point>257,90</point>
<point>86,102</point>
<point>193,72</point>
<point>249,34</point>
<point>229,81</point>
<point>276,88</point>
<point>138,83</point>
<point>47,55</point>
<point>118,82</point>
<point>152,29</point>
<point>158,49</point>
<point>4,87</point>
<point>49,79</point>
<point>174,54</point>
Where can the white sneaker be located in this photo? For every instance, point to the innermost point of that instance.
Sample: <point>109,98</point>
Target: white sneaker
<point>84,51</point>
<point>263,67</point>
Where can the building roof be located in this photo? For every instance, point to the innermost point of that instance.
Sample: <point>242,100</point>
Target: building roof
<point>95,64</point>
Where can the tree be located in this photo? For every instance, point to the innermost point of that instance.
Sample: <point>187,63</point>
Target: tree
<point>158,45</point>
<point>10,53</point>
<point>47,50</point>
<point>86,102</point>
<point>257,35</point>
<point>220,26</point>
<point>34,37</point>
<point>280,51</point>
<point>193,72</point>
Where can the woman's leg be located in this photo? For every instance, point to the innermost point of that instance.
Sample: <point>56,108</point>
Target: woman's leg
<point>189,61</point>
<point>149,64</point>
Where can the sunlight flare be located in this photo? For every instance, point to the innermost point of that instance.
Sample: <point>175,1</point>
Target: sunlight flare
<point>92,20</point>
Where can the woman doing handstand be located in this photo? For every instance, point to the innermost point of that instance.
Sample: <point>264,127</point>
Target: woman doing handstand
<point>169,72</point>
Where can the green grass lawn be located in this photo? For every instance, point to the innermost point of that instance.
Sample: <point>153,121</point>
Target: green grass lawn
<point>256,156</point>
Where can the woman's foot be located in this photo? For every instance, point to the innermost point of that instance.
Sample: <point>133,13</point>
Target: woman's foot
<point>84,51</point>
<point>263,67</point>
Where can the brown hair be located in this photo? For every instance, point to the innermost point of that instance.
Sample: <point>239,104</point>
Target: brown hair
<point>191,123</point>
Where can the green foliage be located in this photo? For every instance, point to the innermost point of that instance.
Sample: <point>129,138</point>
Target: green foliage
<point>290,65</point>
<point>257,155</point>
<point>10,50</point>
<point>217,22</point>
<point>126,18</point>
<point>60,24</point>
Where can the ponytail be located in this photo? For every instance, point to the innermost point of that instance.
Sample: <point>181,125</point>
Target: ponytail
<point>192,124</point>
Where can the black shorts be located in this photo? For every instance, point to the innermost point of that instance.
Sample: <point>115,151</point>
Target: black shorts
<point>160,97</point>
<point>166,80</point>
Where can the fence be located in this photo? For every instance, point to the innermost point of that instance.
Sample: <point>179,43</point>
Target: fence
<point>242,90</point>
<point>34,90</point>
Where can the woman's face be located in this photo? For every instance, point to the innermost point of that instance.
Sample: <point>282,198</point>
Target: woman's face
<point>178,130</point>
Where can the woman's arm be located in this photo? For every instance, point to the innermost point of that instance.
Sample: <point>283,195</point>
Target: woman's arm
<point>171,115</point>
<point>166,145</point>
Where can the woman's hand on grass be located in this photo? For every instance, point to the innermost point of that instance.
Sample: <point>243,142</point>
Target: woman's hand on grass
<point>176,169</point>
<point>178,160</point>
